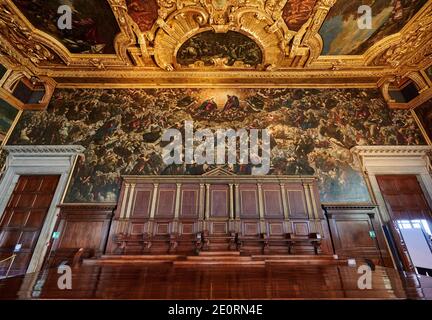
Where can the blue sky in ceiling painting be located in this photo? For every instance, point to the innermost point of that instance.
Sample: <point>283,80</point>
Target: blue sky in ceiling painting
<point>342,36</point>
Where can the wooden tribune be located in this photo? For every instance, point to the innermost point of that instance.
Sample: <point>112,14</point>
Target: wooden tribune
<point>219,211</point>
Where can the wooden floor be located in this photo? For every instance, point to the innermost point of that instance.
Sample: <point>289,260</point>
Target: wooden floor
<point>262,281</point>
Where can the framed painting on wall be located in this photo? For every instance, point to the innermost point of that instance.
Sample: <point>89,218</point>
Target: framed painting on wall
<point>428,72</point>
<point>423,115</point>
<point>8,117</point>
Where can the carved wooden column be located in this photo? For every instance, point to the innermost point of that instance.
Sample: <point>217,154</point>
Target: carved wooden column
<point>287,224</point>
<point>130,201</point>
<point>261,208</point>
<point>153,206</point>
<point>207,206</point>
<point>201,207</point>
<point>237,201</point>
<point>125,196</point>
<point>231,201</point>
<point>315,209</point>
<point>177,207</point>
<point>284,202</point>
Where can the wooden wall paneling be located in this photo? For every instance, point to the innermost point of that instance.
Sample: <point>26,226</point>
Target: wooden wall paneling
<point>219,201</point>
<point>81,226</point>
<point>189,201</point>
<point>273,207</point>
<point>142,199</point>
<point>248,204</point>
<point>256,210</point>
<point>352,229</point>
<point>404,200</point>
<point>166,201</point>
<point>296,201</point>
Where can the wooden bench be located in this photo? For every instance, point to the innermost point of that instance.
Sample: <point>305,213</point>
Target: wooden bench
<point>266,242</point>
<point>218,242</point>
<point>146,241</point>
<point>313,239</point>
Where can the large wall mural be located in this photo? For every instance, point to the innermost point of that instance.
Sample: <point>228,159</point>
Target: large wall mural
<point>340,31</point>
<point>312,132</point>
<point>424,114</point>
<point>94,26</point>
<point>7,117</point>
<point>208,47</point>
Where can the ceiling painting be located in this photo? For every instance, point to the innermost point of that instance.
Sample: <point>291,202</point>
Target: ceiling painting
<point>340,31</point>
<point>209,48</point>
<point>307,42</point>
<point>143,12</point>
<point>94,26</point>
<point>297,12</point>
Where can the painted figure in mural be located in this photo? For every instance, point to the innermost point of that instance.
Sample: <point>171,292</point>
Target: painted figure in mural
<point>207,106</point>
<point>312,132</point>
<point>143,12</point>
<point>297,12</point>
<point>231,47</point>
<point>233,103</point>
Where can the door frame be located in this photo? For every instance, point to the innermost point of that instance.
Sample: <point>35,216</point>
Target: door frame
<point>394,160</point>
<point>39,160</point>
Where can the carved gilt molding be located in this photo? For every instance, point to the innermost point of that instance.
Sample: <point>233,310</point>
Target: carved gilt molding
<point>141,55</point>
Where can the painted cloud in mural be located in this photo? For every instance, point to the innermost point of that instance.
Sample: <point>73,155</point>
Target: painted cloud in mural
<point>312,132</point>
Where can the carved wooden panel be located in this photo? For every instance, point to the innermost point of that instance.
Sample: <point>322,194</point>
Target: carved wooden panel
<point>166,200</point>
<point>300,228</point>
<point>296,202</point>
<point>81,226</point>
<point>250,228</point>
<point>162,228</point>
<point>351,229</point>
<point>189,201</point>
<point>272,201</point>
<point>248,201</point>
<point>219,201</point>
<point>276,228</point>
<point>219,227</point>
<point>215,201</point>
<point>187,228</point>
<point>143,198</point>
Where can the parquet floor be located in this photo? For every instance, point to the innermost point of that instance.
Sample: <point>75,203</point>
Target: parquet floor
<point>167,281</point>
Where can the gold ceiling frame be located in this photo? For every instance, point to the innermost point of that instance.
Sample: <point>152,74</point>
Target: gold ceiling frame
<point>252,21</point>
<point>133,65</point>
<point>39,41</point>
<point>393,51</point>
<point>407,52</point>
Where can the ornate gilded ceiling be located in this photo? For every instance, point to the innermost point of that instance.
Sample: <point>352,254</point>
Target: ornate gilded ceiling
<point>216,42</point>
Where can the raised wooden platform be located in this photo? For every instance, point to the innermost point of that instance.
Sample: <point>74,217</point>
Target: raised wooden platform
<point>221,258</point>
<point>167,281</point>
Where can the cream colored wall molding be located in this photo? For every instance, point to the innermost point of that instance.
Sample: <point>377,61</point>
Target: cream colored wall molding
<point>394,160</point>
<point>39,160</point>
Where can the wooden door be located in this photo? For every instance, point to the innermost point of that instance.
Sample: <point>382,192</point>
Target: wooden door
<point>23,219</point>
<point>404,200</point>
<point>356,234</point>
